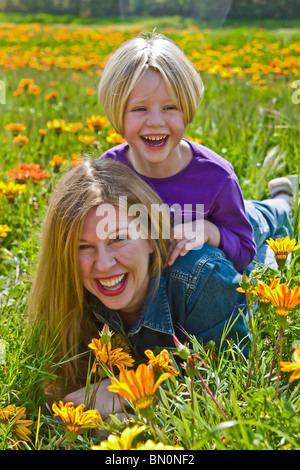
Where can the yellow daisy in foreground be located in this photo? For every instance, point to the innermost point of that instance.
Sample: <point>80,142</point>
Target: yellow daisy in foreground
<point>138,387</point>
<point>150,445</point>
<point>14,417</point>
<point>282,247</point>
<point>75,418</point>
<point>293,366</point>
<point>122,442</point>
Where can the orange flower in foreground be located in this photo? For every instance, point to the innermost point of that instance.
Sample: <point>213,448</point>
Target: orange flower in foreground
<point>282,247</point>
<point>293,366</point>
<point>161,361</point>
<point>14,416</point>
<point>261,290</point>
<point>117,356</point>
<point>75,418</point>
<point>284,300</point>
<point>138,387</point>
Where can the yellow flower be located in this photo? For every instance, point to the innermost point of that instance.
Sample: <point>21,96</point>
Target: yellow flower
<point>75,418</point>
<point>138,387</point>
<point>3,230</point>
<point>162,361</point>
<point>150,445</point>
<point>114,138</point>
<point>14,417</point>
<point>118,357</point>
<point>281,248</point>
<point>11,189</point>
<point>122,442</point>
<point>293,366</point>
<point>57,125</point>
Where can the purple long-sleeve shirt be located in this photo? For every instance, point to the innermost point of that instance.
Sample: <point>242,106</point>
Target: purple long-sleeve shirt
<point>210,180</point>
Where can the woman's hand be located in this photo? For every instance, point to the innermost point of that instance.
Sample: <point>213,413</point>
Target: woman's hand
<point>105,402</point>
<point>192,235</point>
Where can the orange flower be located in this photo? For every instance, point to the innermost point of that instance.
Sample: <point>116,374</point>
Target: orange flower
<point>57,125</point>
<point>24,171</point>
<point>14,416</point>
<point>76,160</point>
<point>281,248</point>
<point>26,82</point>
<point>118,357</point>
<point>51,96</point>
<point>293,366</point>
<point>139,387</point>
<point>15,127</point>
<point>34,89</point>
<point>20,140</point>
<point>90,91</point>
<point>97,122</point>
<point>75,418</point>
<point>161,361</point>
<point>284,300</point>
<point>57,161</point>
<point>261,290</point>
<point>73,127</point>
<point>86,139</point>
<point>114,138</point>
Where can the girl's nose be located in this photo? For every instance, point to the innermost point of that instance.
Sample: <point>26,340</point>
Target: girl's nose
<point>155,119</point>
<point>105,259</point>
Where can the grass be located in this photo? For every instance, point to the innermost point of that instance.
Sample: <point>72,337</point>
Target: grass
<point>247,115</point>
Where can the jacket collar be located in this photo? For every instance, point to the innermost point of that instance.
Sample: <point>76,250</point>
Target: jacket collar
<point>154,314</point>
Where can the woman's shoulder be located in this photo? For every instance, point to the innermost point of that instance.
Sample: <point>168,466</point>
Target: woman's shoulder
<point>206,258</point>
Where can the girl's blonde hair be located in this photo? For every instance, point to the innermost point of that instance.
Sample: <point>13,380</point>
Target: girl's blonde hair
<point>132,59</point>
<point>57,298</point>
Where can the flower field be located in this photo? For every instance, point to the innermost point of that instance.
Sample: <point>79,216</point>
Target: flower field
<point>50,119</point>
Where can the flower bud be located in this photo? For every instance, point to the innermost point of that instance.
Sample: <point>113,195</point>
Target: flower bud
<point>106,334</point>
<point>182,350</point>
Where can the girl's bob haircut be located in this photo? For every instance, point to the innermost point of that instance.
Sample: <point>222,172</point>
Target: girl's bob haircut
<point>132,59</point>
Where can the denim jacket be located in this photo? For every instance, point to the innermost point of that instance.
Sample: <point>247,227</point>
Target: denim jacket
<point>197,294</point>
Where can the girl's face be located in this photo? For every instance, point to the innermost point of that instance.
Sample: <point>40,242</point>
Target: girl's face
<point>113,268</point>
<point>153,126</point>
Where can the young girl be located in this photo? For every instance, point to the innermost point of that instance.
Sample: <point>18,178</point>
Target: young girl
<point>150,92</point>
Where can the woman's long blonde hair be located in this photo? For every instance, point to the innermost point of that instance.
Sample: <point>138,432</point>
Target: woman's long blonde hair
<point>57,298</point>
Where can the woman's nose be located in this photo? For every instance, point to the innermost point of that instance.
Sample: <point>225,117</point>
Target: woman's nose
<point>105,259</point>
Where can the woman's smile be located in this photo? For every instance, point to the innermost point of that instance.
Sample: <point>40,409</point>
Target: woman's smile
<point>112,267</point>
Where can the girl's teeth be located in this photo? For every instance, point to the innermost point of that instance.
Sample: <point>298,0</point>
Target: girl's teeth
<point>112,282</point>
<point>154,138</point>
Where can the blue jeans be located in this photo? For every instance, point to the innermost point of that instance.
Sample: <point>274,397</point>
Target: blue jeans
<point>270,218</point>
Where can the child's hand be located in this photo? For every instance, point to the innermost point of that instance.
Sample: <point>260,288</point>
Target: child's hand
<point>192,235</point>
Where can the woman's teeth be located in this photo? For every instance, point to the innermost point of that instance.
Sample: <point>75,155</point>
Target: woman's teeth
<point>112,283</point>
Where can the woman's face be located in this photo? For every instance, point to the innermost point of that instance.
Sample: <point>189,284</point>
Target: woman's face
<point>113,266</point>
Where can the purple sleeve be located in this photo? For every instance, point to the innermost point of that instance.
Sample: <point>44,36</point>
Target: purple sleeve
<point>229,215</point>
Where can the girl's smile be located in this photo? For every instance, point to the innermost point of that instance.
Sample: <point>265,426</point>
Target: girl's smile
<point>153,127</point>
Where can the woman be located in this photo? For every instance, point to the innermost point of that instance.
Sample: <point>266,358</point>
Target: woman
<point>103,259</point>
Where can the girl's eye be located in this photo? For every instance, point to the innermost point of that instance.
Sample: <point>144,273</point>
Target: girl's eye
<point>170,107</point>
<point>140,108</point>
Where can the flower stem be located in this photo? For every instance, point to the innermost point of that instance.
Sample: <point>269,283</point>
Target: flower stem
<point>211,396</point>
<point>279,360</point>
<point>94,394</point>
<point>273,360</point>
<point>111,369</point>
